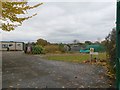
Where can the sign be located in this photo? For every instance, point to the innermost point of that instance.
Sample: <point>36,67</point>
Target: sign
<point>91,50</point>
<point>94,53</point>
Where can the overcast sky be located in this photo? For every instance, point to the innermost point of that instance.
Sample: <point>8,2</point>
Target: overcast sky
<point>65,22</point>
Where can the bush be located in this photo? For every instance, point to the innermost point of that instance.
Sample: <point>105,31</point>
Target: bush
<point>111,46</point>
<point>111,51</point>
<point>52,49</point>
<point>61,48</point>
<point>37,49</point>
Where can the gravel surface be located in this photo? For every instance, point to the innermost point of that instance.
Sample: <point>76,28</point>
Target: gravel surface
<point>31,71</point>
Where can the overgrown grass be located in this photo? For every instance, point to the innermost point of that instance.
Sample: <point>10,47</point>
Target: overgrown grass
<point>75,57</point>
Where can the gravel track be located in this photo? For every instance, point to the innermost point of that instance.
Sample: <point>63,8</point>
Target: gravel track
<point>31,71</point>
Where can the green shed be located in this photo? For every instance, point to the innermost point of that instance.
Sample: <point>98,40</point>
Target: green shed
<point>97,48</point>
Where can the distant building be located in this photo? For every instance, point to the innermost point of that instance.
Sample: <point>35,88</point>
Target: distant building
<point>67,48</point>
<point>11,46</point>
<point>73,48</point>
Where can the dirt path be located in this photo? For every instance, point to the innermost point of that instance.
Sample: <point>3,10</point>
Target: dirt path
<point>28,71</point>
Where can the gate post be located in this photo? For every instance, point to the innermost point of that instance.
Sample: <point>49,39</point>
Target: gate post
<point>118,46</point>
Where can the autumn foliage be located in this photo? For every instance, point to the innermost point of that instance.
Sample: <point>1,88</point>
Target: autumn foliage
<point>12,14</point>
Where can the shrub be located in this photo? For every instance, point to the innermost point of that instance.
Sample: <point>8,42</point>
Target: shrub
<point>37,49</point>
<point>61,48</point>
<point>51,48</point>
<point>111,51</point>
<point>111,46</point>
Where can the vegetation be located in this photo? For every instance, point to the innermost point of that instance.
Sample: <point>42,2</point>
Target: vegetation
<point>12,14</point>
<point>74,57</point>
<point>61,48</point>
<point>111,46</point>
<point>42,42</point>
<point>110,43</point>
<point>37,49</point>
<point>52,49</point>
<point>88,42</point>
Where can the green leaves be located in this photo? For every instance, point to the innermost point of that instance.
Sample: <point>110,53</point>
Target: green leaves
<point>37,49</point>
<point>11,12</point>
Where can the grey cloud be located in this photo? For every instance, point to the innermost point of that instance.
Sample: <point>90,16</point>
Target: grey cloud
<point>64,22</point>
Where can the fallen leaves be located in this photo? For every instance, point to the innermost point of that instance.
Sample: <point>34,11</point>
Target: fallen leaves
<point>103,63</point>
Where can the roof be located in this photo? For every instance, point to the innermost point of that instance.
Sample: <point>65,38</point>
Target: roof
<point>97,47</point>
<point>11,42</point>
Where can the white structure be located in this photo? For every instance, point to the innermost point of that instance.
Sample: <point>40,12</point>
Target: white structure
<point>11,45</point>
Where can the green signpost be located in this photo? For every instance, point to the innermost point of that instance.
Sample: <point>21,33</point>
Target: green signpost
<point>118,46</point>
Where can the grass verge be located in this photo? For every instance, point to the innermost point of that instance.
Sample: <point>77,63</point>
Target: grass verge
<point>74,57</point>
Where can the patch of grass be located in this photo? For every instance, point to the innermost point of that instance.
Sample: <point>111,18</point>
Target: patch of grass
<point>75,57</point>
